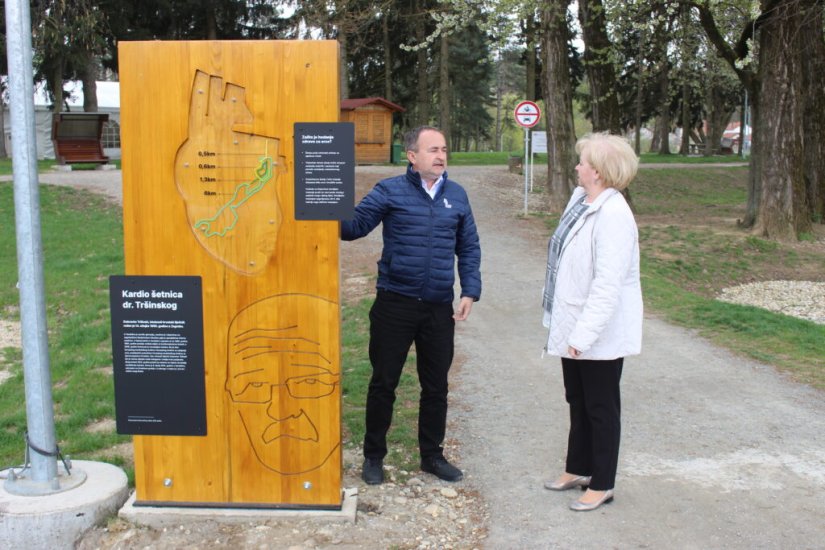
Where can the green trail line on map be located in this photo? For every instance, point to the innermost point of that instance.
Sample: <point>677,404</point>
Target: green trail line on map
<point>242,193</point>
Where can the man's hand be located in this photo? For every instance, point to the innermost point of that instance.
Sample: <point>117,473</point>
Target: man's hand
<point>463,310</point>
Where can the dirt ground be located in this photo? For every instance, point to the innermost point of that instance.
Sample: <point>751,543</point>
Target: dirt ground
<point>717,451</point>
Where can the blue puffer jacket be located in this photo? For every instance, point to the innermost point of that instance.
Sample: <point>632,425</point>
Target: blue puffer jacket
<point>422,237</point>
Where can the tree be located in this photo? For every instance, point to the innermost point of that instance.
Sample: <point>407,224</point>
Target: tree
<point>783,209</point>
<point>67,36</point>
<point>472,81</point>
<point>351,22</point>
<point>530,56</point>
<point>663,22</point>
<point>445,98</point>
<point>598,61</point>
<point>508,74</point>
<point>422,64</point>
<point>631,31</point>
<point>813,118</point>
<point>190,20</point>
<point>722,94</point>
<point>773,75</point>
<point>558,97</point>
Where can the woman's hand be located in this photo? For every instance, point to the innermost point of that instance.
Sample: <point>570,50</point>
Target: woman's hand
<point>573,352</point>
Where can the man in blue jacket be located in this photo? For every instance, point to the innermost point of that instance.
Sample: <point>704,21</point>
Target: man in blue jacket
<point>427,224</point>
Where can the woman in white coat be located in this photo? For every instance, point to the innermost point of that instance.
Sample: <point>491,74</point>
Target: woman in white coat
<point>593,308</point>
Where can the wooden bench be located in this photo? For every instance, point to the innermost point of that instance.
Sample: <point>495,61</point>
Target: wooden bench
<point>80,151</point>
<point>77,138</point>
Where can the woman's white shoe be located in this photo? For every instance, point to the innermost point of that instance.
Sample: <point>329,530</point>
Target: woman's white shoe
<point>578,481</point>
<point>579,506</point>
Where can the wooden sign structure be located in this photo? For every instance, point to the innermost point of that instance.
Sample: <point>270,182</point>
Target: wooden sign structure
<point>208,167</point>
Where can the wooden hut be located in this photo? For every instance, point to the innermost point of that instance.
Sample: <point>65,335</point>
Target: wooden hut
<point>372,117</point>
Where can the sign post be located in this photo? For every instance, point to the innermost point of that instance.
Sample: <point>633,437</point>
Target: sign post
<point>227,319</point>
<point>527,115</point>
<point>538,145</point>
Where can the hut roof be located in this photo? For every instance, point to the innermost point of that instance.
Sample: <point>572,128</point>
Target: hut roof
<point>352,104</point>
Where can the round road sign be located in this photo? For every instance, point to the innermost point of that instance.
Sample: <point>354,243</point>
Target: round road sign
<point>527,114</point>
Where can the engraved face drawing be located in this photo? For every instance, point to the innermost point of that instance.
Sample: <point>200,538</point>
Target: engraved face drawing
<point>227,177</point>
<point>283,382</point>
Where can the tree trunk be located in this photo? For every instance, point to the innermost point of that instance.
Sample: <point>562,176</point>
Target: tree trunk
<point>90,86</point>
<point>756,162</point>
<point>601,75</point>
<point>343,65</point>
<point>56,85</point>
<point>813,121</point>
<point>688,52</point>
<point>444,88</point>
<point>783,210</point>
<point>3,153</point>
<point>743,128</point>
<point>717,120</point>
<point>211,21</point>
<point>561,155</point>
<point>530,58</point>
<point>637,115</point>
<point>661,138</point>
<point>659,44</point>
<point>684,148</point>
<point>422,64</point>
<point>385,28</point>
<point>499,114</point>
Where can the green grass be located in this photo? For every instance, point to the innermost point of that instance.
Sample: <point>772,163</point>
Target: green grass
<point>402,439</point>
<point>484,159</point>
<point>794,345</point>
<point>82,245</point>
<point>500,158</point>
<point>47,164</point>
<point>656,158</point>
<point>6,168</point>
<point>697,193</point>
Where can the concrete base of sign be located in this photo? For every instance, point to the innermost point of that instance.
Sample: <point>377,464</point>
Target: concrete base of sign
<point>57,520</point>
<point>165,516</point>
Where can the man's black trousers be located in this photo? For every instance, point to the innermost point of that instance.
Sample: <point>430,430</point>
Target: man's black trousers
<point>396,322</point>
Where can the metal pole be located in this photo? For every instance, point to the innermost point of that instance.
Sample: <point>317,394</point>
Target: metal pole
<point>39,410</point>
<point>532,164</point>
<point>526,165</point>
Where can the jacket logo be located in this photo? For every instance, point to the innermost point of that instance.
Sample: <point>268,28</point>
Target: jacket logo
<point>447,204</point>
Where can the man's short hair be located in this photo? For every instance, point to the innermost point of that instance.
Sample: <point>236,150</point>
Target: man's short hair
<point>411,137</point>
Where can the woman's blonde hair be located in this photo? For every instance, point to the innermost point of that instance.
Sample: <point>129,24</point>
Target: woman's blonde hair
<point>611,156</point>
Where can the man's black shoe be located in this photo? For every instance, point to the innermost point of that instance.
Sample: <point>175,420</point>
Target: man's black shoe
<point>373,471</point>
<point>439,467</point>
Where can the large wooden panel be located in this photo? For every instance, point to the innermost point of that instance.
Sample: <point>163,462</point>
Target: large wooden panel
<point>208,183</point>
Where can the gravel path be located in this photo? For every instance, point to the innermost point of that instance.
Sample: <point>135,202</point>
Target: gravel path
<point>717,451</point>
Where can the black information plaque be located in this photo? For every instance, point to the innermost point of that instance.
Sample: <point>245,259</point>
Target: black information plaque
<point>324,170</point>
<point>157,353</point>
